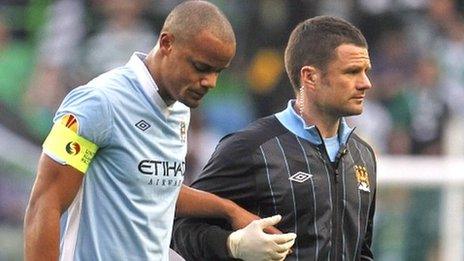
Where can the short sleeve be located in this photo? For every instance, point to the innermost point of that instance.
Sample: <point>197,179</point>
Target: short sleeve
<point>91,110</point>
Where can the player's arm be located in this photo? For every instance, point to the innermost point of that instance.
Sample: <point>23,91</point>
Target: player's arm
<point>54,189</point>
<point>197,203</point>
<point>57,184</point>
<point>81,122</point>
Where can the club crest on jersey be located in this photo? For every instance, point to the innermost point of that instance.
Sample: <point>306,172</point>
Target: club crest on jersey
<point>70,121</point>
<point>183,131</point>
<point>362,177</point>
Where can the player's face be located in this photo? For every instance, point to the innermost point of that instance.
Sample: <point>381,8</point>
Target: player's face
<point>343,87</point>
<point>195,66</point>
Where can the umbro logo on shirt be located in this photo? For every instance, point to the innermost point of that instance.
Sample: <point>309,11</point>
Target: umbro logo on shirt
<point>142,125</point>
<point>300,177</point>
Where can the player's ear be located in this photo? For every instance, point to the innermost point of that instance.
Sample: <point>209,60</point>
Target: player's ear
<point>166,40</point>
<point>309,76</point>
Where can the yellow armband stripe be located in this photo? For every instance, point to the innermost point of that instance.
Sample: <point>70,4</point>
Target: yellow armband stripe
<point>67,145</point>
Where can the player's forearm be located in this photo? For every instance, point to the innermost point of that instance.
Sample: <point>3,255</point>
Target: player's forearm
<point>41,233</point>
<point>197,203</point>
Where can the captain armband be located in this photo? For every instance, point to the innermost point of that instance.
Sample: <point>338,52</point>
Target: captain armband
<point>69,147</point>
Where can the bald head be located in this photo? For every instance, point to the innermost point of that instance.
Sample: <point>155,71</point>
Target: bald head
<point>190,18</point>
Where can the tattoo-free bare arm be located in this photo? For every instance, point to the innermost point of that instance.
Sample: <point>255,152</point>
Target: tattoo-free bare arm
<point>54,190</point>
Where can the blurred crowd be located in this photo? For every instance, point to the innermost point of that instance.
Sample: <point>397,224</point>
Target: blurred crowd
<point>49,47</point>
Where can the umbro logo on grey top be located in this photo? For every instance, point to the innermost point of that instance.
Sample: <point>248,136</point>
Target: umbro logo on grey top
<point>300,177</point>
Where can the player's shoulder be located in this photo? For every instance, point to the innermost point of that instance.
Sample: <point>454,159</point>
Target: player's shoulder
<point>108,87</point>
<point>255,134</point>
<point>86,101</point>
<point>85,95</point>
<point>117,77</point>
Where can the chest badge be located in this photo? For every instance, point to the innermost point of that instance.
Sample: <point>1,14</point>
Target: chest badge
<point>183,132</point>
<point>362,177</point>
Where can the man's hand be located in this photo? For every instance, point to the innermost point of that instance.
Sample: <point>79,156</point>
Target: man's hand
<point>251,243</point>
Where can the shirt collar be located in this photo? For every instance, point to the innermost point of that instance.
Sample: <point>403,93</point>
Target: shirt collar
<point>295,124</point>
<point>145,79</point>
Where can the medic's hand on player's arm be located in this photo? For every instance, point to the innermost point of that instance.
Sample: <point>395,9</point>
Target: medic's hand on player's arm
<point>253,244</point>
<point>54,189</point>
<point>197,203</point>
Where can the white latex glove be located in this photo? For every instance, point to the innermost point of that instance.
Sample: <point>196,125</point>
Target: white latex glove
<point>252,244</point>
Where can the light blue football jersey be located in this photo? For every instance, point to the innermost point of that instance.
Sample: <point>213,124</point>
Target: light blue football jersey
<point>125,207</point>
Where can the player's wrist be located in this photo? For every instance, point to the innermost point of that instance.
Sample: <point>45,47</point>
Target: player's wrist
<point>230,210</point>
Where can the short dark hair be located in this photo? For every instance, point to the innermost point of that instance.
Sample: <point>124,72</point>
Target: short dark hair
<point>190,18</point>
<point>314,41</point>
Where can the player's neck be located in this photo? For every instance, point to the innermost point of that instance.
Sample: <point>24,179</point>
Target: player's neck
<point>155,71</point>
